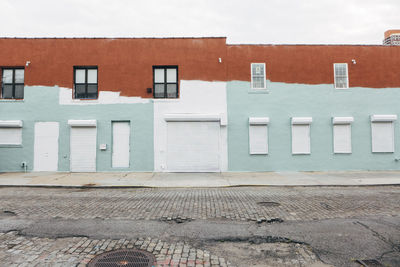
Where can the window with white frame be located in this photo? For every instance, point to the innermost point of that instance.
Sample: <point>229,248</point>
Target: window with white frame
<point>10,132</point>
<point>301,135</point>
<point>258,135</point>
<point>258,79</point>
<point>342,134</point>
<point>341,75</point>
<point>382,133</point>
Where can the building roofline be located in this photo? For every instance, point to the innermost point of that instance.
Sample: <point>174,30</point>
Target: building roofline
<point>306,45</point>
<point>113,38</point>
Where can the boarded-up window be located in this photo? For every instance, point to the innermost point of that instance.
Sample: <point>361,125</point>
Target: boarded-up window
<point>342,134</point>
<point>258,135</point>
<point>382,132</point>
<point>301,135</point>
<point>10,132</point>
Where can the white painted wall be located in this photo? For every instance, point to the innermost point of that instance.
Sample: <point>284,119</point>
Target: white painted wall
<point>105,97</point>
<point>196,97</point>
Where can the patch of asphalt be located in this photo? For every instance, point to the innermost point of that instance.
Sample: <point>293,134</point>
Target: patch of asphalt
<point>336,241</point>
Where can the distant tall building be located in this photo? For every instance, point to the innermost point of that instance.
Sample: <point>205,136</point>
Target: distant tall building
<point>392,37</point>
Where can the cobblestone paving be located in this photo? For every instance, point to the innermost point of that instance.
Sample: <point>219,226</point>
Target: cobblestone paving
<point>23,251</point>
<point>295,203</point>
<point>78,251</point>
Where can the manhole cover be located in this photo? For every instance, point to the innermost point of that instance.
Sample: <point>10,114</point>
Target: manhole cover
<point>370,263</point>
<point>268,204</point>
<point>123,258</point>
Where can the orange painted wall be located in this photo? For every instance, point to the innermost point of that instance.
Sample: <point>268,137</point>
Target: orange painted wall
<point>377,66</point>
<point>124,64</point>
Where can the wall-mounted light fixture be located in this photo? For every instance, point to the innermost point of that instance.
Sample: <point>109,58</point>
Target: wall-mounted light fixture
<point>354,61</point>
<point>220,60</point>
<point>27,63</point>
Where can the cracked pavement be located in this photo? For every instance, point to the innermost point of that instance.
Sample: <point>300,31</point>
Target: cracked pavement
<point>307,226</point>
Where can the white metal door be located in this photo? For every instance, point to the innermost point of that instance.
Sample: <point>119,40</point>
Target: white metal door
<point>83,149</point>
<point>193,146</point>
<point>46,146</point>
<point>121,144</point>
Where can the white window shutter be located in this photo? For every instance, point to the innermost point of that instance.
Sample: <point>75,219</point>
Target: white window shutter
<point>301,143</point>
<point>382,133</point>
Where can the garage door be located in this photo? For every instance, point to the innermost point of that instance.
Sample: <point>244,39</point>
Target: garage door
<point>193,146</point>
<point>83,149</point>
<point>46,146</point>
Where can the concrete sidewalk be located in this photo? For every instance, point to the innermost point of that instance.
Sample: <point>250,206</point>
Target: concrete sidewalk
<point>148,179</point>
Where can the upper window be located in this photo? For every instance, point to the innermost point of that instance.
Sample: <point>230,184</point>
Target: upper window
<point>85,83</point>
<point>341,76</point>
<point>12,83</point>
<point>258,76</point>
<point>165,79</point>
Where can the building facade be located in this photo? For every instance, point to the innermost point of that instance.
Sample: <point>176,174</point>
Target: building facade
<point>392,37</point>
<point>196,105</point>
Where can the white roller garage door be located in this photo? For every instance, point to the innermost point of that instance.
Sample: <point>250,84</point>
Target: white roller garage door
<point>193,146</point>
<point>83,149</point>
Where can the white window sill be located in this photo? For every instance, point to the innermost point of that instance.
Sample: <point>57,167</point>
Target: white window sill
<point>165,100</point>
<point>10,145</point>
<point>12,100</point>
<point>258,91</point>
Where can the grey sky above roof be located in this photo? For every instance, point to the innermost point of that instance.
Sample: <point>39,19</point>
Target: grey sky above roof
<point>250,21</point>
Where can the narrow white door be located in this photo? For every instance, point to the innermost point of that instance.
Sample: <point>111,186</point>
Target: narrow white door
<point>120,144</point>
<point>83,149</point>
<point>193,146</point>
<point>46,146</point>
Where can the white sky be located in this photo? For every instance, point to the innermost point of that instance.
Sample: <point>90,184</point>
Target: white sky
<point>245,21</point>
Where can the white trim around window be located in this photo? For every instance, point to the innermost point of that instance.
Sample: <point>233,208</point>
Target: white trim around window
<point>341,75</point>
<point>258,76</point>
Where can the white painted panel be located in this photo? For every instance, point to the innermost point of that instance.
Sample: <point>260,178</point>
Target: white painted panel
<point>342,138</point>
<point>301,139</point>
<point>382,137</point>
<point>193,146</point>
<point>121,144</point>
<point>196,97</point>
<point>258,138</point>
<point>46,146</point>
<point>83,149</point>
<point>10,136</point>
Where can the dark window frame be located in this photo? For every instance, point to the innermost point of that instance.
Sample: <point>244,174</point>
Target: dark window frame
<point>165,83</point>
<point>86,84</point>
<point>13,82</point>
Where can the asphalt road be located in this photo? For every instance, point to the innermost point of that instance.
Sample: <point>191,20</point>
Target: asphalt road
<point>337,240</point>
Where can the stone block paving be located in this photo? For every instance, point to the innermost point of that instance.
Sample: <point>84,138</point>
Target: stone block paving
<point>240,204</point>
<point>22,251</point>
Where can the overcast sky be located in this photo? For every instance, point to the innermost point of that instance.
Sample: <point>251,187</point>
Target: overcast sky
<point>245,21</point>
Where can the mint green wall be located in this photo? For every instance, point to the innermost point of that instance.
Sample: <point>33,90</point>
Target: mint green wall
<point>321,102</point>
<point>41,104</point>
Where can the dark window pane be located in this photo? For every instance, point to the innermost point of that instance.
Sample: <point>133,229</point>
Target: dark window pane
<point>19,91</point>
<point>80,91</point>
<point>92,91</point>
<point>7,91</point>
<point>159,90</point>
<point>171,90</point>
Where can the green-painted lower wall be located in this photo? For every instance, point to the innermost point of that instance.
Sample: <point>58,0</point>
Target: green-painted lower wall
<point>321,102</point>
<point>41,104</point>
